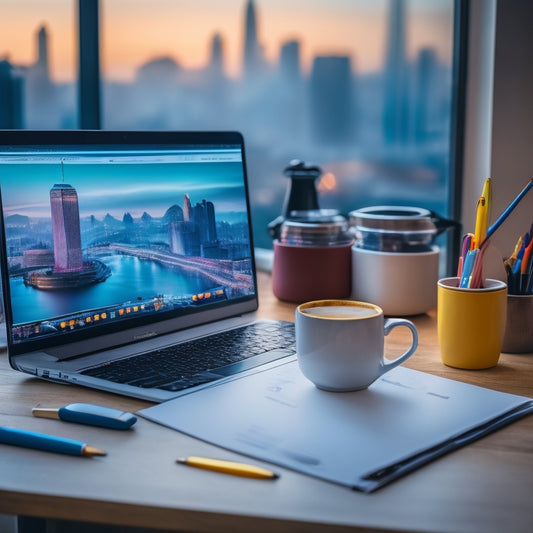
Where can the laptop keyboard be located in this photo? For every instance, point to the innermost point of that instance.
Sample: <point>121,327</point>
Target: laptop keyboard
<point>184,365</point>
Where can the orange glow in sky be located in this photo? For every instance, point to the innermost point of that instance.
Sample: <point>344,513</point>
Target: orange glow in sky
<point>135,31</point>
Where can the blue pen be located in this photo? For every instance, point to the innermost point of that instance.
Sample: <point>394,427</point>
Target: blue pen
<point>515,279</point>
<point>508,211</point>
<point>467,268</point>
<point>48,443</point>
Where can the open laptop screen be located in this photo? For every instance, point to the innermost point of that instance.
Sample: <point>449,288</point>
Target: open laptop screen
<point>105,231</point>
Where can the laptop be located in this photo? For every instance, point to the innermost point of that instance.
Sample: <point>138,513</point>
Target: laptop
<point>127,261</point>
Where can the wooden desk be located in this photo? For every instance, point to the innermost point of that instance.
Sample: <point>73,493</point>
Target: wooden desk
<point>486,486</point>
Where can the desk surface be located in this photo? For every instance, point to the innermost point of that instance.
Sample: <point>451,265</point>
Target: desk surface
<point>486,486</point>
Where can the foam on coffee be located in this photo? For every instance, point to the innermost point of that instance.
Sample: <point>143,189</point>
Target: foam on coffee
<point>340,311</point>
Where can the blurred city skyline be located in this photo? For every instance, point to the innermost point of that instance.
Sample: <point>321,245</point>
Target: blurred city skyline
<point>135,32</point>
<point>372,107</point>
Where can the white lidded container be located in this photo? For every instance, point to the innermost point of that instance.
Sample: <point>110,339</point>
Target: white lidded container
<point>395,263</point>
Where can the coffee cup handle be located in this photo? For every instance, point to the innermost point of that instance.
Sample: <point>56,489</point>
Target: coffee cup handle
<point>389,325</point>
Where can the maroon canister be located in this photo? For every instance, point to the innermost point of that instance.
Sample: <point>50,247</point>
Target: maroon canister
<point>312,260</point>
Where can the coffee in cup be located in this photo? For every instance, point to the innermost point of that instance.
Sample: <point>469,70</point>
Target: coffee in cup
<point>340,311</point>
<point>340,343</point>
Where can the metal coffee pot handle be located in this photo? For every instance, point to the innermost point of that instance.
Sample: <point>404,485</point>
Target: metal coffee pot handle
<point>442,224</point>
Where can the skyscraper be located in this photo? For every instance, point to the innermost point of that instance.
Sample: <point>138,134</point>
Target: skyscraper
<point>69,269</point>
<point>253,57</point>
<point>331,99</point>
<point>396,90</point>
<point>428,99</point>
<point>11,97</point>
<point>290,62</point>
<point>187,208</point>
<point>41,93</point>
<point>184,234</point>
<point>204,217</point>
<point>42,54</point>
<point>66,227</point>
<point>216,62</point>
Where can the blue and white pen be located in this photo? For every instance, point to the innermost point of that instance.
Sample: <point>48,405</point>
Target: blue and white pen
<point>467,268</point>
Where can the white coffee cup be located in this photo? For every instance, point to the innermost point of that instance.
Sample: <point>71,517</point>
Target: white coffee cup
<point>340,343</point>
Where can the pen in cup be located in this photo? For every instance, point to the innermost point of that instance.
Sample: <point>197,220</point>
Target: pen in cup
<point>481,221</point>
<point>471,266</point>
<point>487,194</point>
<point>508,210</point>
<point>519,266</point>
<point>467,240</point>
<point>468,268</point>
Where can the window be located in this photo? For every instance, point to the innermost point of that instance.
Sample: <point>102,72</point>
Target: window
<point>361,88</point>
<point>38,64</point>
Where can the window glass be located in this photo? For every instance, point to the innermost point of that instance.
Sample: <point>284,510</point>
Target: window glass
<point>361,88</point>
<point>38,64</point>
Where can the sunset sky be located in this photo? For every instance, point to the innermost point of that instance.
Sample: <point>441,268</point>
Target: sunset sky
<point>135,31</point>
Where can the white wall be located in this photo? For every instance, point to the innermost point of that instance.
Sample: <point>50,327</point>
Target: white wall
<point>512,122</point>
<point>478,120</point>
<point>499,122</point>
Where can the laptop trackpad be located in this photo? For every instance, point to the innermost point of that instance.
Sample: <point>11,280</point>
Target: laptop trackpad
<point>251,362</point>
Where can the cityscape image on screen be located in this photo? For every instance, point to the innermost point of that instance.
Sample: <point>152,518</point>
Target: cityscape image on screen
<point>104,238</point>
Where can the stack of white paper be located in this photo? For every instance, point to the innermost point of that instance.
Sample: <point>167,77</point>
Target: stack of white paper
<point>362,439</point>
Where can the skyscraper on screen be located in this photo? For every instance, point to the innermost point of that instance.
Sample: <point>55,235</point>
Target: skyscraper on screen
<point>66,227</point>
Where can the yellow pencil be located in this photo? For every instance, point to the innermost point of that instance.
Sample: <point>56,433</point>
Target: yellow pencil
<point>481,222</point>
<point>228,467</point>
<point>487,194</point>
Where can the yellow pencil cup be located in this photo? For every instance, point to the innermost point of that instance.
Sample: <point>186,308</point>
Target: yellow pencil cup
<point>471,323</point>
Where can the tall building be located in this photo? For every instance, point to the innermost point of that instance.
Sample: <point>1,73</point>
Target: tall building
<point>42,99</point>
<point>253,55</point>
<point>216,61</point>
<point>196,232</point>
<point>187,208</point>
<point>290,62</point>
<point>204,217</point>
<point>11,97</point>
<point>41,64</point>
<point>182,237</point>
<point>396,89</point>
<point>331,100</point>
<point>184,233</point>
<point>66,227</point>
<point>39,72</point>
<point>428,99</point>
